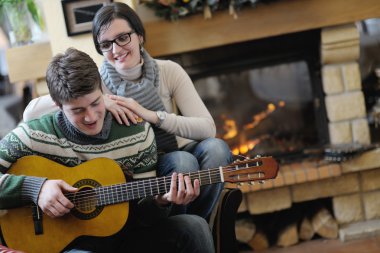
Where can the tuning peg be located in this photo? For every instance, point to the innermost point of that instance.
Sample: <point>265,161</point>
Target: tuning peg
<point>252,183</point>
<point>242,157</point>
<point>261,182</point>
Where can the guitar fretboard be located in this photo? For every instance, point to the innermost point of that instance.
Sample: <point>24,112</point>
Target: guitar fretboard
<point>239,171</point>
<point>108,195</point>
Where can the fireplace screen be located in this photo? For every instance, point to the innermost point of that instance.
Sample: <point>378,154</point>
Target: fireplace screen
<point>267,110</point>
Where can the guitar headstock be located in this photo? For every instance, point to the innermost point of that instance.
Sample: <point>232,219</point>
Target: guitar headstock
<point>256,169</point>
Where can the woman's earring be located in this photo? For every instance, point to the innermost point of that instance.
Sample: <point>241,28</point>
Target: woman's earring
<point>141,48</point>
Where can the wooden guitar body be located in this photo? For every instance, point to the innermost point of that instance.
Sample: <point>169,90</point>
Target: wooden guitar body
<point>18,227</point>
<point>101,204</point>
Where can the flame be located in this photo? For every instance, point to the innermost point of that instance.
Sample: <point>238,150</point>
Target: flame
<point>260,116</point>
<point>281,103</point>
<point>231,129</point>
<point>245,147</point>
<point>271,108</point>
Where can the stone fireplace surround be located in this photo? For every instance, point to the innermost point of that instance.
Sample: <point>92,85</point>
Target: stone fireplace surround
<point>354,185</point>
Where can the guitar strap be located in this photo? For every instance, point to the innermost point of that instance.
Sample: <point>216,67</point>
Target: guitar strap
<point>37,220</point>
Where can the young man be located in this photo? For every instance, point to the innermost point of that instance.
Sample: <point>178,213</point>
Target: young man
<point>83,130</point>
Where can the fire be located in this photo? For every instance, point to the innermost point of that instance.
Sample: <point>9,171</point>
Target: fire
<point>231,129</point>
<point>271,108</point>
<point>281,104</point>
<point>244,148</point>
<point>262,115</point>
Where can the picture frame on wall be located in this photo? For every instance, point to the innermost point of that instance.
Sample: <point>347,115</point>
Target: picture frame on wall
<point>79,14</point>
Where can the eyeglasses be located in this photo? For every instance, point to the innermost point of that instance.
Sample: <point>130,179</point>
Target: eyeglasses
<point>121,40</point>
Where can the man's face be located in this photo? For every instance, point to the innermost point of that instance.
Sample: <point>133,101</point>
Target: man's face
<point>86,113</point>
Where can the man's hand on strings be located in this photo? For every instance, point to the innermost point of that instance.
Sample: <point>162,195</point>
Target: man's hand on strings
<point>52,200</point>
<point>181,193</point>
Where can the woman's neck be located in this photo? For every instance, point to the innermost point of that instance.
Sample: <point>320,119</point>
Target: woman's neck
<point>134,73</point>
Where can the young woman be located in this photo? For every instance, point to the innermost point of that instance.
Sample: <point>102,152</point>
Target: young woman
<point>146,88</point>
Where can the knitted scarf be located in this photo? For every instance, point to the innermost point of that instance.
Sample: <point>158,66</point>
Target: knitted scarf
<point>76,136</point>
<point>145,92</point>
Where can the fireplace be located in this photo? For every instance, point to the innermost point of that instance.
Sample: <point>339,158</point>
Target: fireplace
<point>286,35</point>
<point>265,95</point>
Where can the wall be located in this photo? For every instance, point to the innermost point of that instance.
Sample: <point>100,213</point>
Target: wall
<point>55,23</point>
<point>263,21</point>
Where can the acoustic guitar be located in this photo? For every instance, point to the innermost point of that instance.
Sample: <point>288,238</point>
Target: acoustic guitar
<point>101,203</point>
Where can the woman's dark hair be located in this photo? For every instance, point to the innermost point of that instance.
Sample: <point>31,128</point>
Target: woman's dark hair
<point>105,15</point>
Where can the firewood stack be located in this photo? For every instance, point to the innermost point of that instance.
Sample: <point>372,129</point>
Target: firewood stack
<point>286,228</point>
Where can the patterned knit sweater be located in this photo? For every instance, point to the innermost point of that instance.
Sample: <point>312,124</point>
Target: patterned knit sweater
<point>53,137</point>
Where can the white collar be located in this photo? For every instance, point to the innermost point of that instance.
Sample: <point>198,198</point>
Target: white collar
<point>133,74</point>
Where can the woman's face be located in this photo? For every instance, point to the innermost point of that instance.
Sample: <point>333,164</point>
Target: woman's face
<point>121,57</point>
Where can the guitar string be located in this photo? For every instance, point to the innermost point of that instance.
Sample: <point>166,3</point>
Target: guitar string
<point>146,182</point>
<point>122,192</point>
<point>128,188</point>
<point>204,175</point>
<point>216,172</point>
<point>122,195</point>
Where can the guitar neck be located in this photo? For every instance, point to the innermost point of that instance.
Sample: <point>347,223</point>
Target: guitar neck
<point>239,171</point>
<point>113,194</point>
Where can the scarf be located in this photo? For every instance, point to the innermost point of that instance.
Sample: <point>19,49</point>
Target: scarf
<point>145,92</point>
<point>76,136</point>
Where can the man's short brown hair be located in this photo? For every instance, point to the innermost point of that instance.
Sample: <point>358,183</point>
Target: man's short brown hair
<point>71,75</point>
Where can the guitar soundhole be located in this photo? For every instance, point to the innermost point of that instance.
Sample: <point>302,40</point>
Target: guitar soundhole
<point>85,200</point>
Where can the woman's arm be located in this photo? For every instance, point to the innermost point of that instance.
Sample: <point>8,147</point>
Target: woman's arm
<point>195,121</point>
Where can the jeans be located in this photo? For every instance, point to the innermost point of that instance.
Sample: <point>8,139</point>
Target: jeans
<point>207,154</point>
<point>176,234</point>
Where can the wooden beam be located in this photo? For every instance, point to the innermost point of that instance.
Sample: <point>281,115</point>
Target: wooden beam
<point>266,20</point>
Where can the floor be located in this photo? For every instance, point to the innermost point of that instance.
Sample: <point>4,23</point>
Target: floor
<point>367,245</point>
